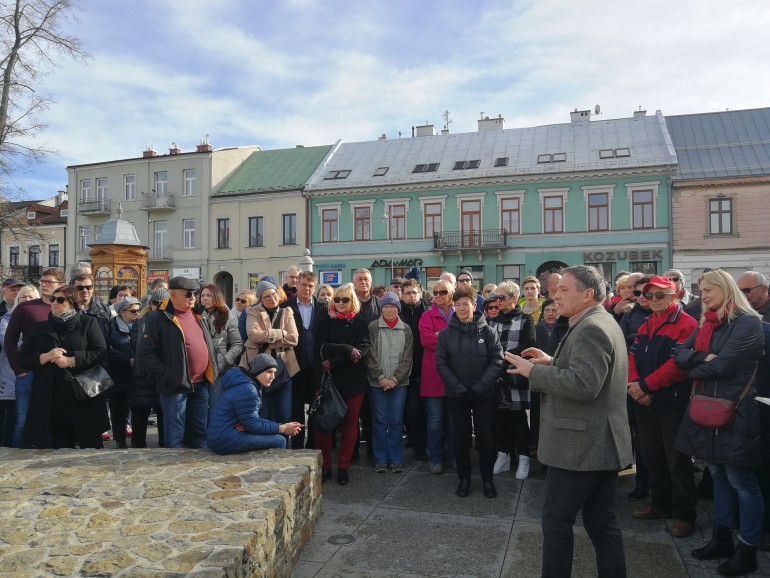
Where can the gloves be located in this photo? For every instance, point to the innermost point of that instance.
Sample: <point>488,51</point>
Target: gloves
<point>326,366</point>
<point>469,395</point>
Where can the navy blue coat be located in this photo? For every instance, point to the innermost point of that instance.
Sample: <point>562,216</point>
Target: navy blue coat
<point>122,348</point>
<point>239,404</point>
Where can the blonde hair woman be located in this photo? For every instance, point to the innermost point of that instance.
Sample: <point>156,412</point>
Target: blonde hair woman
<point>325,293</point>
<point>721,358</point>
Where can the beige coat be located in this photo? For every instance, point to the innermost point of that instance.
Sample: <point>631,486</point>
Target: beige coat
<point>280,341</point>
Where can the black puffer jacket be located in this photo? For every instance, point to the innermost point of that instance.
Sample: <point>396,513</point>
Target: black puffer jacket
<point>469,356</point>
<point>738,346</point>
<point>122,349</point>
<point>336,339</point>
<point>632,321</point>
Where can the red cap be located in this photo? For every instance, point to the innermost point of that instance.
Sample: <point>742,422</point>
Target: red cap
<point>662,282</point>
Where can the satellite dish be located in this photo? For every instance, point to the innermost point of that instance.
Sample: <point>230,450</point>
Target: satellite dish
<point>597,109</point>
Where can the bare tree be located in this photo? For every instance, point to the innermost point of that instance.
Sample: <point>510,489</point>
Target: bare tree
<point>31,35</point>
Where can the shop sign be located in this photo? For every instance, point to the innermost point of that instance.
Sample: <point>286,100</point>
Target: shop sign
<point>330,278</point>
<point>604,256</point>
<point>254,280</point>
<point>389,263</point>
<point>189,272</point>
<point>330,266</point>
<point>153,274</point>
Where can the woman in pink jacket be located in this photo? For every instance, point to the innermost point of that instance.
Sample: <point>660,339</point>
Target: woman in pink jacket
<point>431,386</point>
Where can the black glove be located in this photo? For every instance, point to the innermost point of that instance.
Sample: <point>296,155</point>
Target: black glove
<point>469,395</point>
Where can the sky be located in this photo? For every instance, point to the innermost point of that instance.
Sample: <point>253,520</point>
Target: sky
<point>278,73</point>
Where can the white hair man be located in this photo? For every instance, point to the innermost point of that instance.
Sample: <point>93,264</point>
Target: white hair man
<point>682,293</point>
<point>754,287</point>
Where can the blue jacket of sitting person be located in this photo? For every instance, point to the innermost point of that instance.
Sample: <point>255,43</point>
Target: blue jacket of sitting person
<point>235,425</point>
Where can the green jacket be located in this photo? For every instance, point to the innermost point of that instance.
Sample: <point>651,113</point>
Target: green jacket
<point>390,355</point>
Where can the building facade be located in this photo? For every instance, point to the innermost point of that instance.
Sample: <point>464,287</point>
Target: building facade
<point>720,206</point>
<point>504,203</point>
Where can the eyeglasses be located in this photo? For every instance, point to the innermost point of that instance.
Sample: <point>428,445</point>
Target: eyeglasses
<point>502,297</point>
<point>659,295</point>
<point>464,280</point>
<point>747,290</point>
<point>49,282</point>
<point>442,292</point>
<point>84,287</point>
<point>58,300</point>
<point>188,294</point>
<point>342,299</point>
<point>239,300</point>
<point>271,296</point>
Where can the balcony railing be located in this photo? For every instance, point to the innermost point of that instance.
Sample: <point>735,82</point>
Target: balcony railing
<point>156,202</point>
<point>483,239</point>
<point>26,272</point>
<point>94,206</point>
<point>160,253</point>
<point>83,255</point>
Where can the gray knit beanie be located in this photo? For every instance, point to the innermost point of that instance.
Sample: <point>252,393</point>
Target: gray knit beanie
<point>263,286</point>
<point>261,363</point>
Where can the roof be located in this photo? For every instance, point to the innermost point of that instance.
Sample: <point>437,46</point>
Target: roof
<point>118,232</point>
<point>721,144</point>
<point>274,170</point>
<point>576,145</point>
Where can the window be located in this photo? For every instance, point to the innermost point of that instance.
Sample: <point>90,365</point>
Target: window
<point>510,217</point>
<point>85,189</point>
<point>188,233</point>
<point>501,162</point>
<point>101,189</point>
<point>64,213</point>
<point>380,171</point>
<point>645,267</point>
<point>553,214</point>
<point>470,218</point>
<point>642,210</point>
<point>189,183</point>
<point>256,232</point>
<point>622,152</point>
<point>605,269</point>
<point>331,175</point>
<point>34,256</point>
<point>161,248</point>
<point>606,153</point>
<point>363,223</point>
<point>426,168</point>
<point>720,216</point>
<point>543,159</point>
<point>31,215</point>
<point>511,273</point>
<point>598,212</point>
<point>129,187</point>
<point>83,235</point>
<point>223,233</point>
<point>329,224</point>
<point>462,165</point>
<point>161,183</point>
<point>290,229</point>
<point>559,157</point>
<point>97,231</point>
<point>397,221</point>
<point>13,256</point>
<point>53,255</point>
<point>433,213</point>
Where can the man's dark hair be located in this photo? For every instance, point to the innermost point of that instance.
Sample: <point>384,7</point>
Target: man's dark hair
<point>82,277</point>
<point>54,272</point>
<point>589,278</point>
<point>308,276</point>
<point>410,283</point>
<point>644,279</point>
<point>156,283</point>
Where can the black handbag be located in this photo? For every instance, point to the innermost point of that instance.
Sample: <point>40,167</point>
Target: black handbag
<point>90,383</point>
<point>329,408</point>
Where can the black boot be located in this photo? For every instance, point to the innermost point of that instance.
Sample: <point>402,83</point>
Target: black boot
<point>720,546</point>
<point>464,487</point>
<point>743,561</point>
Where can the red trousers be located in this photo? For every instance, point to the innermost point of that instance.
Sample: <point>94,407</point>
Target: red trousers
<point>349,434</point>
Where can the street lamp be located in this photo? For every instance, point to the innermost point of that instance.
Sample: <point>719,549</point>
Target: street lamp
<point>386,219</point>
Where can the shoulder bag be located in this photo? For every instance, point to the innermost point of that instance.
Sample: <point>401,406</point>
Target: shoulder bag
<point>329,408</point>
<point>715,412</point>
<point>89,383</point>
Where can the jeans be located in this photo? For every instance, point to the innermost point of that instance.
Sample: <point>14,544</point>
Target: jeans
<point>439,422</point>
<point>7,422</point>
<point>731,481</point>
<point>215,392</point>
<point>276,406</point>
<point>593,493</point>
<point>192,405</point>
<point>251,442</point>
<point>23,393</point>
<point>387,424</point>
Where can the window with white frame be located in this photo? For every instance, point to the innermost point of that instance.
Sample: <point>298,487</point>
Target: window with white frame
<point>85,189</point>
<point>641,197</point>
<point>189,183</point>
<point>720,216</point>
<point>101,189</point>
<point>188,233</point>
<point>598,211</point>
<point>97,231</point>
<point>129,187</point>
<point>13,256</point>
<point>397,221</point>
<point>290,229</point>
<point>329,214</point>
<point>83,233</point>
<point>553,202</point>
<point>161,183</point>
<point>256,232</point>
<point>53,255</point>
<point>433,215</point>
<point>511,273</point>
<point>34,256</point>
<point>223,233</point>
<point>509,204</point>
<point>363,223</point>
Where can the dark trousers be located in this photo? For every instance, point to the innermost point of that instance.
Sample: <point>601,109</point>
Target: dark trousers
<point>672,482</point>
<point>140,415</point>
<point>303,392</point>
<point>414,416</point>
<point>593,493</point>
<point>466,414</point>
<point>7,422</point>
<point>512,432</point>
<point>66,437</point>
<point>642,475</point>
<point>534,418</point>
<point>119,409</point>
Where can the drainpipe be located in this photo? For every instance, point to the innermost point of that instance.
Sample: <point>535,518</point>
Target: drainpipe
<point>671,218</point>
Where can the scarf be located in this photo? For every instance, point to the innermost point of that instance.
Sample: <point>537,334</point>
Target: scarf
<point>62,319</point>
<point>710,324</point>
<point>391,324</point>
<point>334,314</point>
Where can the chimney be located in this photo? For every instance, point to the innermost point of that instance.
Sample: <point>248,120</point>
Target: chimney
<point>204,148</point>
<point>640,113</point>
<point>383,136</point>
<point>580,115</point>
<point>148,152</point>
<point>487,124</point>
<point>425,130</point>
<point>174,150</point>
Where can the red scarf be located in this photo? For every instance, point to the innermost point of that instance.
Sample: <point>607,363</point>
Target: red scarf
<point>391,324</point>
<point>334,314</point>
<point>711,323</point>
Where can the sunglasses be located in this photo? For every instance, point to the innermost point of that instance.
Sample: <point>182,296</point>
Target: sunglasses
<point>156,303</point>
<point>502,297</point>
<point>134,311</point>
<point>58,300</point>
<point>84,287</point>
<point>659,295</point>
<point>441,292</point>
<point>747,290</point>
<point>493,308</point>
<point>342,300</point>
<point>188,294</point>
<point>239,300</point>
<point>638,293</point>
<point>675,279</point>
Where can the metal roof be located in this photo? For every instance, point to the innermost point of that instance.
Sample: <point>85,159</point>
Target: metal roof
<point>646,137</point>
<point>274,170</point>
<point>721,144</point>
<point>118,232</point>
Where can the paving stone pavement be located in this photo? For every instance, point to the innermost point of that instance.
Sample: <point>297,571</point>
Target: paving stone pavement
<point>412,524</point>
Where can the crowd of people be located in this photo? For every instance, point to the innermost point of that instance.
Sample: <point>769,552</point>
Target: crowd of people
<point>589,378</point>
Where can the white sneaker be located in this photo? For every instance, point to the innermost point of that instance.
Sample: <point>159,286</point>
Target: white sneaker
<point>522,472</point>
<point>502,464</point>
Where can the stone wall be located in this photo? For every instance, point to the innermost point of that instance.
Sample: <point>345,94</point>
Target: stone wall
<point>156,512</point>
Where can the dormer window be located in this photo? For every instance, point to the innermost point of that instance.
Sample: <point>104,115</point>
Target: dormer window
<point>31,215</point>
<point>463,165</point>
<point>332,175</point>
<point>426,168</point>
